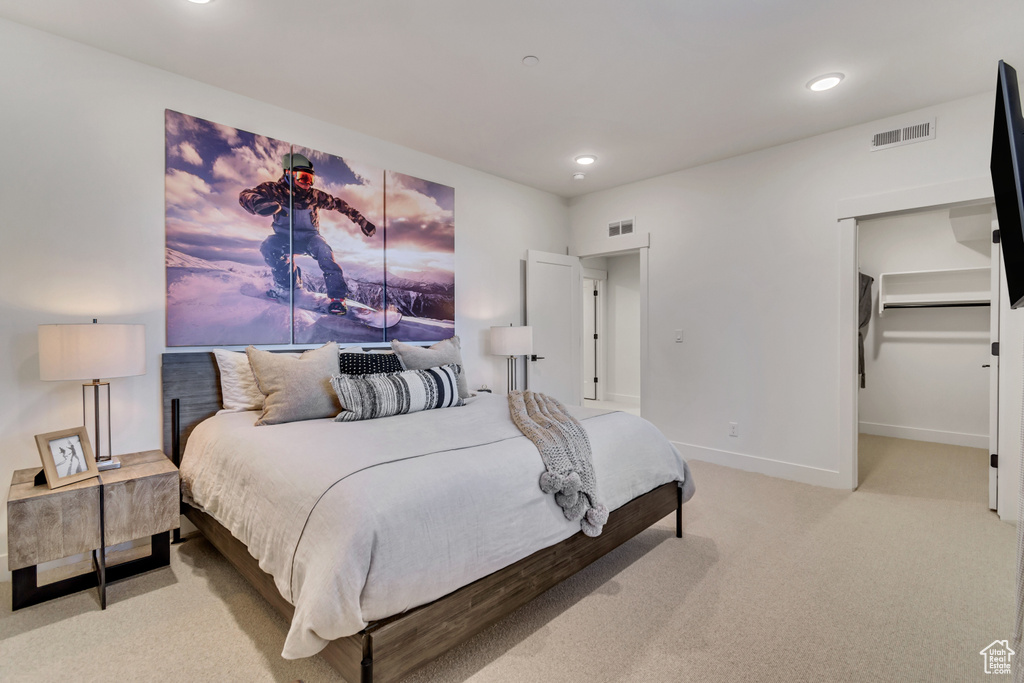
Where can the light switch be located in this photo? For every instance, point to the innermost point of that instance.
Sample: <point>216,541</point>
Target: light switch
<point>679,336</point>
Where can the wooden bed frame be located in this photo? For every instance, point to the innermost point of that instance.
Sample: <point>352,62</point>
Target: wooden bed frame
<point>391,648</point>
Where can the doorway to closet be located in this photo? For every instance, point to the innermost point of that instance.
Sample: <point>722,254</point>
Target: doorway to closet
<point>612,332</point>
<point>929,389</point>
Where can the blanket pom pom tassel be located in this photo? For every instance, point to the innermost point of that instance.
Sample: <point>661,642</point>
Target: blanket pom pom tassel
<point>567,501</point>
<point>551,482</point>
<point>575,511</point>
<point>598,516</point>
<point>589,529</point>
<point>593,522</point>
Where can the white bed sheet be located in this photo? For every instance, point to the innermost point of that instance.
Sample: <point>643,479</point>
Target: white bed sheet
<point>363,520</point>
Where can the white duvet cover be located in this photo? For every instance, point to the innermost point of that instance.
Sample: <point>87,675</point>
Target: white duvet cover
<point>359,521</point>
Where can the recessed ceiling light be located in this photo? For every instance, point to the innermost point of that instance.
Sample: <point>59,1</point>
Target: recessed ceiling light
<point>530,60</point>
<point>578,176</point>
<point>199,2</point>
<point>826,82</point>
<point>585,159</point>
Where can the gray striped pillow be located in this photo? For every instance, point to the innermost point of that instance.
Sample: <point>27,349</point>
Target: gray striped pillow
<point>364,397</point>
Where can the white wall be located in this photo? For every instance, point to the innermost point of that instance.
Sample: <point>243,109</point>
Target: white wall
<point>744,257</point>
<point>622,328</point>
<point>82,225</point>
<point>924,374</point>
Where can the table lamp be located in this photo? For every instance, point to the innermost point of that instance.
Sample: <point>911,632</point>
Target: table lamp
<point>511,342</point>
<point>92,352</point>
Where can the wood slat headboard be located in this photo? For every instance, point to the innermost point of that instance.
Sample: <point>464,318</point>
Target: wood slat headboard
<point>193,381</point>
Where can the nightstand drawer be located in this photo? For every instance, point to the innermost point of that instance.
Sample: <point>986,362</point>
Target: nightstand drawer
<point>141,497</point>
<point>44,525</point>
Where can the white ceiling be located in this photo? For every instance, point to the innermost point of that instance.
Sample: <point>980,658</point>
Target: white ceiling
<point>649,86</point>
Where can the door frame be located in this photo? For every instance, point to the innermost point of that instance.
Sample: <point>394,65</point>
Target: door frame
<point>641,242</point>
<point>995,323</point>
<point>849,211</point>
<point>600,278</point>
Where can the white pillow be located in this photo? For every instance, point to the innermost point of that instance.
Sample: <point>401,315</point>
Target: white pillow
<point>360,349</point>
<point>353,349</point>
<point>237,383</point>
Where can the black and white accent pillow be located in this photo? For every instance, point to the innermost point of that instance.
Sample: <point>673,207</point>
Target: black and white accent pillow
<point>369,396</point>
<point>368,363</point>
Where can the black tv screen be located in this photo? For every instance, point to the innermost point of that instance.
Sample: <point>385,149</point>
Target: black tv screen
<point>1007,145</point>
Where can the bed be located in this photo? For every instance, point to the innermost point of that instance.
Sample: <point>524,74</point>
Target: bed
<point>437,543</point>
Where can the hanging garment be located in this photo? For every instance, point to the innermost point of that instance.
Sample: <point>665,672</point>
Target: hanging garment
<point>865,318</point>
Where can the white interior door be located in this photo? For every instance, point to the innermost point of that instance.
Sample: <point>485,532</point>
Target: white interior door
<point>554,285</point>
<point>993,381</point>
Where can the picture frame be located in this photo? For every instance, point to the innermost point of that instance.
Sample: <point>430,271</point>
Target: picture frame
<point>67,456</point>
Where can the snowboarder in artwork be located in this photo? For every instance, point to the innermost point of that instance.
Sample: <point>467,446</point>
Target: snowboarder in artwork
<point>272,199</point>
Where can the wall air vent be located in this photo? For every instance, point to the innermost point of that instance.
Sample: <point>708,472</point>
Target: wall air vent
<point>918,132</point>
<point>624,227</point>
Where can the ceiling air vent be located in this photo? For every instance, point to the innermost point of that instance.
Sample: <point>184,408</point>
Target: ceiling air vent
<point>919,132</point>
<point>620,228</point>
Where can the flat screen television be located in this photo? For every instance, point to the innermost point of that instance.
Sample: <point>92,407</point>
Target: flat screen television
<point>1006,167</point>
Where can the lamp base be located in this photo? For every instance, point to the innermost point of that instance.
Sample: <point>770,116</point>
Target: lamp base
<point>97,435</point>
<point>108,464</point>
<point>510,372</point>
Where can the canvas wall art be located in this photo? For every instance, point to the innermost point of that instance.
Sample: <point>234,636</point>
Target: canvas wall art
<point>420,254</point>
<point>274,243</point>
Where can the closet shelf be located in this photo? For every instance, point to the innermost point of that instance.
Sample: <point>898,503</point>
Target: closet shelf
<point>935,288</point>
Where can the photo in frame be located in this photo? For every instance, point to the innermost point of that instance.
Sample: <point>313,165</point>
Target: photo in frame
<point>67,456</point>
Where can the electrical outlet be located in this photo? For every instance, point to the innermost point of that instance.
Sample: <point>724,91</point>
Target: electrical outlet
<point>734,429</point>
<point>679,336</point>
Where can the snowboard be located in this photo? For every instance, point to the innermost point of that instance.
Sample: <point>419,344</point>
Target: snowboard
<point>317,303</point>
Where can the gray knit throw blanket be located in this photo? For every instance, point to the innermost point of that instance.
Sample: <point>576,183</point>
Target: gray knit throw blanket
<point>565,450</point>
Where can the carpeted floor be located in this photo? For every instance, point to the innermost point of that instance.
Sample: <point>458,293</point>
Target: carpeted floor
<point>906,579</point>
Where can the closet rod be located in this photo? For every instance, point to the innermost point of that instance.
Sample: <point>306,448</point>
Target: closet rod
<point>935,305</point>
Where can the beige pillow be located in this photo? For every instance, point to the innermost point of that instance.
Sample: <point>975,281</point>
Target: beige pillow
<point>296,388</point>
<point>446,352</point>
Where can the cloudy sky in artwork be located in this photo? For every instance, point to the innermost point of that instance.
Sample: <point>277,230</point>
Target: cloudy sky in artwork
<point>208,164</point>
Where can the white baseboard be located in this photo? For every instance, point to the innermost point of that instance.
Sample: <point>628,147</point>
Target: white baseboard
<point>929,435</point>
<point>773,468</point>
<point>623,398</point>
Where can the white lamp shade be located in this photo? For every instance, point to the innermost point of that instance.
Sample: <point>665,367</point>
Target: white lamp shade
<point>511,341</point>
<point>96,351</point>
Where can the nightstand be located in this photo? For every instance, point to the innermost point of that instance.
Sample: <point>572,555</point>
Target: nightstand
<point>140,499</point>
